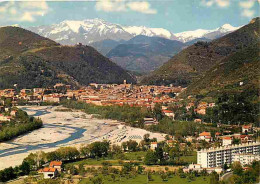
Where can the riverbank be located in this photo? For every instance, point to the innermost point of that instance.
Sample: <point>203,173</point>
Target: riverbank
<point>66,129</point>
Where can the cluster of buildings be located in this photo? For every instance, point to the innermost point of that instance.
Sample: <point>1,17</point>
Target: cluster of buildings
<point>99,94</point>
<point>244,137</point>
<point>199,108</point>
<point>52,171</point>
<point>6,114</point>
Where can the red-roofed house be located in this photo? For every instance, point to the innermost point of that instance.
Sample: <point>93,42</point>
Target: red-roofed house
<point>5,118</point>
<point>153,145</point>
<point>245,138</point>
<point>205,136</point>
<point>48,172</point>
<point>13,113</point>
<point>226,141</point>
<point>246,128</point>
<point>168,113</point>
<point>56,164</point>
<point>197,120</point>
<point>217,134</point>
<point>170,143</point>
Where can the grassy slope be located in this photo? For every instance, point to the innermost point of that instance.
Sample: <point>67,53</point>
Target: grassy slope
<point>195,60</point>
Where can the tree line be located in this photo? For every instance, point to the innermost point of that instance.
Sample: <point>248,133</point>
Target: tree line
<point>21,124</point>
<point>134,116</point>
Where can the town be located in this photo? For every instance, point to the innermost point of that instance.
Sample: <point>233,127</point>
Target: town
<point>202,147</point>
<point>98,94</point>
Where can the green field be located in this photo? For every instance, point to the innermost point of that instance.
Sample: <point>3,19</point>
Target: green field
<point>135,155</point>
<point>190,159</point>
<point>142,179</point>
<point>95,162</point>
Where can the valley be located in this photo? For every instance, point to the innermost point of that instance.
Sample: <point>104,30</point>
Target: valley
<point>115,91</point>
<point>61,129</point>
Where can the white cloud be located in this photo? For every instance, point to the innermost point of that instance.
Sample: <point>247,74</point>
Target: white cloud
<point>124,5</point>
<point>246,4</point>
<point>248,13</point>
<point>141,6</point>
<point>219,3</point>
<point>22,11</point>
<point>246,7</point>
<point>110,6</point>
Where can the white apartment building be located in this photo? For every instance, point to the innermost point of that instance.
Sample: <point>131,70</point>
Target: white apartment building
<point>217,157</point>
<point>246,159</point>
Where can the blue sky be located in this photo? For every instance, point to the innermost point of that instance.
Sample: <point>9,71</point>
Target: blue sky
<point>174,15</point>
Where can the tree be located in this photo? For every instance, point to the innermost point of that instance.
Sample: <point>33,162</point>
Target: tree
<point>214,178</point>
<point>84,151</point>
<point>97,180</point>
<point>164,177</point>
<point>225,166</point>
<point>157,111</point>
<point>68,153</point>
<point>146,137</point>
<point>149,176</point>
<point>237,168</point>
<point>236,141</point>
<point>72,169</point>
<point>235,179</point>
<point>81,169</point>
<point>7,174</point>
<point>124,145</point>
<point>159,153</point>
<point>150,158</point>
<point>113,177</point>
<point>25,168</point>
<point>132,145</point>
<point>116,149</point>
<point>140,169</point>
<point>99,149</point>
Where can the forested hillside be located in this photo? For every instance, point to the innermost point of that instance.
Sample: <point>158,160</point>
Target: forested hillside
<point>194,61</point>
<point>30,60</point>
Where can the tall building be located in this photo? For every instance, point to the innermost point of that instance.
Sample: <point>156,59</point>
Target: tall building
<point>246,159</point>
<point>217,157</point>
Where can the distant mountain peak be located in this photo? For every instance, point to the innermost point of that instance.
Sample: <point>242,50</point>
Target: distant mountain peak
<point>227,28</point>
<point>187,36</point>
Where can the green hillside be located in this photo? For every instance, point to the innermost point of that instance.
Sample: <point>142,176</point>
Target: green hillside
<point>30,60</point>
<point>194,61</point>
<point>234,74</point>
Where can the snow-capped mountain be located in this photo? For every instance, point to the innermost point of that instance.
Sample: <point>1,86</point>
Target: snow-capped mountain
<point>94,30</point>
<point>88,31</point>
<point>202,33</point>
<point>152,32</point>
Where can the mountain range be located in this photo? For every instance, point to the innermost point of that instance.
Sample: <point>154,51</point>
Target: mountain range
<point>111,39</point>
<point>30,60</point>
<point>70,32</point>
<point>143,53</point>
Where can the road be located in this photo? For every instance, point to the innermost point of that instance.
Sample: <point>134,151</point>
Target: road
<point>226,176</point>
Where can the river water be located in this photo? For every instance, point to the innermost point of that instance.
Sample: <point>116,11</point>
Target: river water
<point>77,134</point>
